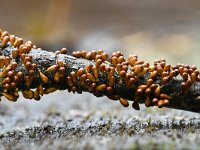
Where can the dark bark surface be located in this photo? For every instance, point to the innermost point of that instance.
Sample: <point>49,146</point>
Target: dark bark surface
<point>189,101</point>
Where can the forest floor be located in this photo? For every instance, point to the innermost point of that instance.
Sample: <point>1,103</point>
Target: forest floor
<point>70,121</point>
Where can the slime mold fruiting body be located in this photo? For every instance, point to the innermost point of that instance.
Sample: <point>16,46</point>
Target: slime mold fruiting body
<point>103,74</point>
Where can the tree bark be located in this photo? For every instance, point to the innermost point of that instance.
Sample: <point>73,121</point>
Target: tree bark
<point>189,101</point>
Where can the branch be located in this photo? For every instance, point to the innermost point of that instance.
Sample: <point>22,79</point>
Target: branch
<point>35,72</point>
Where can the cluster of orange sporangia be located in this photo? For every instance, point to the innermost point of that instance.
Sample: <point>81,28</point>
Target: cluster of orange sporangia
<point>129,71</point>
<point>12,78</point>
<point>117,71</point>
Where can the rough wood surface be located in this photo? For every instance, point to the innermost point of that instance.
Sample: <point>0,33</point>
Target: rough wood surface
<point>189,101</point>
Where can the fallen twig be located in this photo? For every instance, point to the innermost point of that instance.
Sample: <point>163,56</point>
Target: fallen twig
<point>35,72</point>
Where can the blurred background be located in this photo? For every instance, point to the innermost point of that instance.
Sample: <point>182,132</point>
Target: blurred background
<point>152,29</point>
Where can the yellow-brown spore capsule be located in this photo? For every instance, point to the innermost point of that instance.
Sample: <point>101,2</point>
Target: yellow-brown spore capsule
<point>144,71</point>
<point>0,32</point>
<point>165,96</point>
<point>139,92</point>
<point>132,59</point>
<point>43,77</point>
<point>148,91</point>
<point>2,61</point>
<point>80,72</point>
<point>159,69</point>
<point>193,77</point>
<point>4,33</point>
<point>36,95</point>
<point>7,61</point>
<point>40,90</point>
<point>165,80</point>
<point>167,67</point>
<point>124,102</point>
<point>18,42</point>
<point>157,92</point>
<point>69,81</point>
<point>15,53</point>
<point>95,72</point>
<point>83,54</point>
<point>29,43</point>
<point>184,87</point>
<point>102,68</point>
<point>57,77</point>
<point>104,56</point>
<point>19,74</point>
<point>122,74</point>
<point>6,86</point>
<point>111,81</point>
<point>61,71</point>
<point>23,49</point>
<point>143,87</point>
<point>98,63</point>
<point>165,102</point>
<point>28,81</point>
<point>147,102</point>
<point>114,60</point>
<point>88,56</point>
<point>125,68</point>
<point>57,52</point>
<point>15,78</point>
<point>151,68</point>
<point>13,85</point>
<point>91,77</point>
<point>12,39</point>
<point>119,68</point>
<point>121,59</point>
<point>83,79</point>
<point>100,52</point>
<point>109,89</point>
<point>185,76</point>
<point>28,65</point>
<point>73,76</point>
<point>160,104</point>
<point>98,57</point>
<point>94,53</point>
<point>52,68</point>
<point>153,74</point>
<point>88,68</point>
<point>5,41</point>
<point>60,63</point>
<point>155,101</point>
<point>130,82</point>
<point>101,87</point>
<point>6,80</point>
<point>149,82</point>
<point>188,83</point>
<point>50,90</point>
<point>63,51</point>
<point>16,94</point>
<point>137,69</point>
<point>31,73</point>
<point>10,73</point>
<point>4,72</point>
<point>22,57</point>
<point>28,94</point>
<point>10,97</point>
<point>111,72</point>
